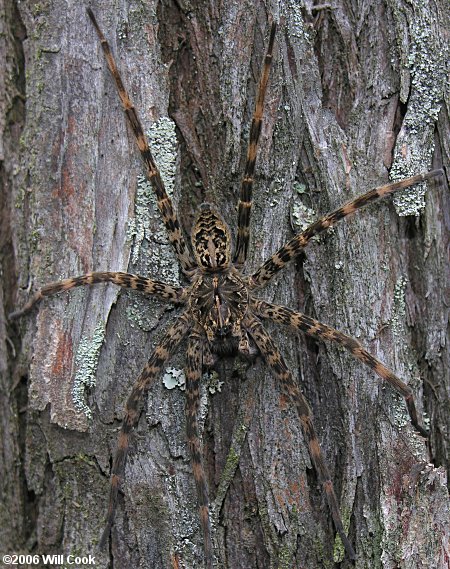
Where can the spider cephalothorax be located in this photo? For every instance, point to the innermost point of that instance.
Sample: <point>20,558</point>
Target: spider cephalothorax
<point>219,302</point>
<point>220,315</point>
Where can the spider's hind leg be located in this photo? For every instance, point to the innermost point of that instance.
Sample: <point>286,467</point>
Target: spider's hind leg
<point>133,407</point>
<point>299,321</point>
<point>193,377</point>
<point>279,369</point>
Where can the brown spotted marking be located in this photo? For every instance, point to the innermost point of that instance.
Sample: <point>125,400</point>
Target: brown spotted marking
<point>299,321</point>
<point>133,407</point>
<point>299,242</point>
<point>245,199</point>
<point>125,280</point>
<point>281,372</point>
<point>164,203</point>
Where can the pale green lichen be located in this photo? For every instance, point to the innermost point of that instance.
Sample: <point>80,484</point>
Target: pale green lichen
<point>138,314</point>
<point>286,556</point>
<point>412,200</point>
<point>301,215</point>
<point>203,410</point>
<point>238,438</point>
<point>339,549</point>
<point>174,378</point>
<point>86,360</point>
<point>229,470</point>
<point>399,309</point>
<point>151,252</point>
<point>297,28</point>
<point>272,191</point>
<point>164,148</point>
<point>185,523</point>
<point>163,141</point>
<point>139,227</point>
<point>398,414</point>
<point>426,63</point>
<point>370,541</point>
<point>212,382</point>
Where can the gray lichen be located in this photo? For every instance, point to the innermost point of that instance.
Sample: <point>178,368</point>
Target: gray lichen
<point>86,360</point>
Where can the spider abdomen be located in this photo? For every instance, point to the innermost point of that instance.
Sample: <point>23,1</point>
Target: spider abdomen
<point>211,240</point>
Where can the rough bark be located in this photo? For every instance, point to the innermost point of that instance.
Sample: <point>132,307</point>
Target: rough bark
<point>356,92</point>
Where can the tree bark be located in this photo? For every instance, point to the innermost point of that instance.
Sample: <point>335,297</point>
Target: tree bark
<point>357,91</point>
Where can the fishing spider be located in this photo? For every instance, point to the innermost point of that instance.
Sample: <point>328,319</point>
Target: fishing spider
<point>220,312</point>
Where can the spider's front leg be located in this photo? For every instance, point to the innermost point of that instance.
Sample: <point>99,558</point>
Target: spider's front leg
<point>125,280</point>
<point>279,369</point>
<point>133,407</point>
<point>193,377</point>
<point>295,246</point>
<point>299,321</point>
<point>164,202</point>
<point>245,197</point>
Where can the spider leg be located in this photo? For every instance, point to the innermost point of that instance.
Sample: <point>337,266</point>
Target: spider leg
<point>133,409</point>
<point>193,377</point>
<point>245,198</point>
<point>289,251</point>
<point>281,372</point>
<point>125,280</point>
<point>164,202</point>
<point>299,321</point>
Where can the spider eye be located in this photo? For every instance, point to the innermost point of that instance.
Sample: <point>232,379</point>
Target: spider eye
<point>224,330</point>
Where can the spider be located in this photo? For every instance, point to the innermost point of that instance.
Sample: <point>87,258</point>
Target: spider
<point>220,313</point>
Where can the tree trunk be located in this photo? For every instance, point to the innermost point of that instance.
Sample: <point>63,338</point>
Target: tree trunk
<point>356,92</point>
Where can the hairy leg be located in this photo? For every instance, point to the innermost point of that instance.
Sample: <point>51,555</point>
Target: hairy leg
<point>299,321</point>
<point>125,280</point>
<point>245,198</point>
<point>289,251</point>
<point>290,389</point>
<point>193,377</point>
<point>164,202</point>
<point>133,408</point>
